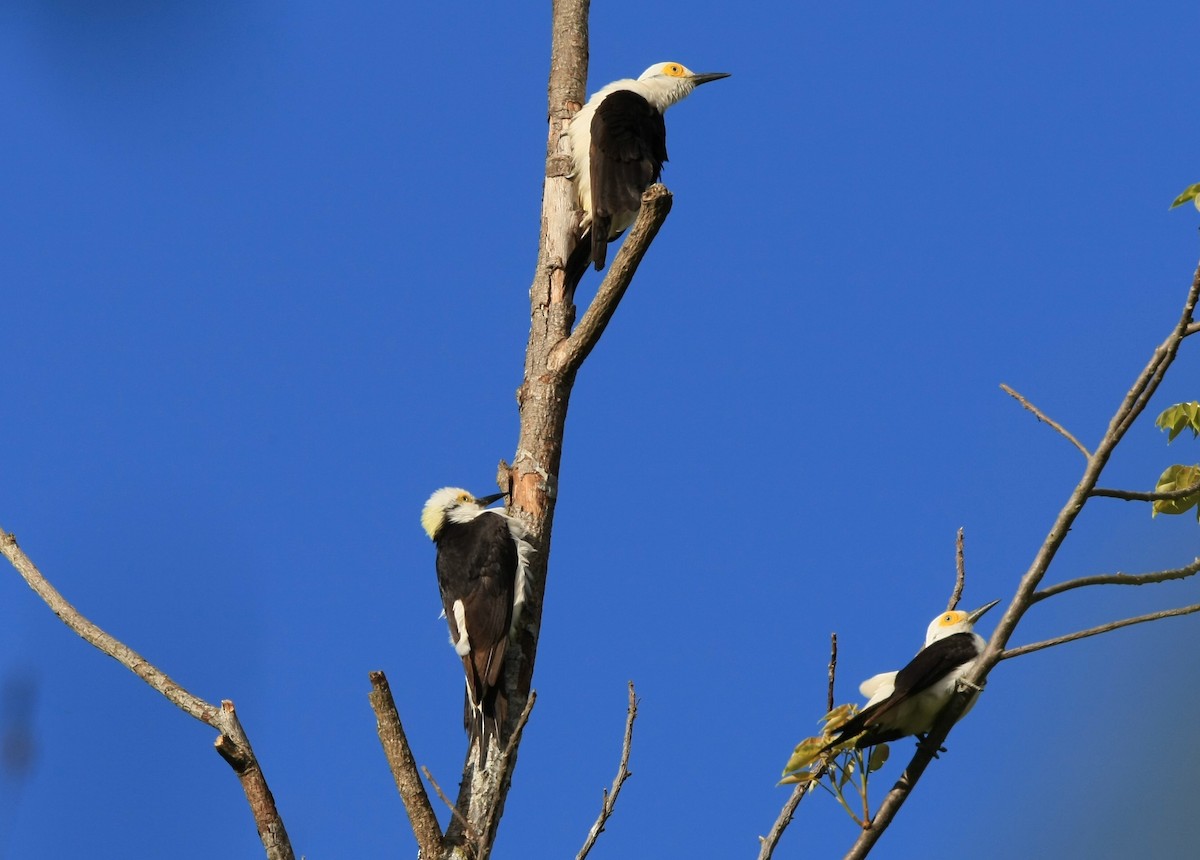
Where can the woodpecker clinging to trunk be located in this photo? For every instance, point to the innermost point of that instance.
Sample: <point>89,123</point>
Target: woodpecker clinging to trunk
<point>907,702</point>
<point>618,143</point>
<point>482,570</point>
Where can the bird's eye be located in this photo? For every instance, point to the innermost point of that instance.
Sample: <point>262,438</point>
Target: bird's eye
<point>464,497</point>
<point>673,69</point>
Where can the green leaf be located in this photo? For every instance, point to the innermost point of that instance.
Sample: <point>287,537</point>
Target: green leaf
<point>804,754</point>
<point>879,757</point>
<point>1182,416</point>
<point>838,716</point>
<point>1178,478</point>
<point>1189,193</point>
<point>794,778</point>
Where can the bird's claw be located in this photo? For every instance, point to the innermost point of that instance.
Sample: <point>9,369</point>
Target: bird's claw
<point>924,745</point>
<point>964,684</point>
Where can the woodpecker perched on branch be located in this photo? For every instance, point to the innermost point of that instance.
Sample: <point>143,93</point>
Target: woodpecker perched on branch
<point>482,569</point>
<point>618,144</point>
<point>908,702</point>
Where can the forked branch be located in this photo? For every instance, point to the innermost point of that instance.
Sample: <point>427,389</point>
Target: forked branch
<point>568,355</point>
<point>1131,407</point>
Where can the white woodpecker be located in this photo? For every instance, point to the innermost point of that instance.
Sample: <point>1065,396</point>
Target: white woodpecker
<point>618,144</point>
<point>482,570</point>
<point>908,702</point>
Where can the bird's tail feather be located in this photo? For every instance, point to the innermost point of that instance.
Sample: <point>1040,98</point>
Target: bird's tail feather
<point>577,264</point>
<point>601,225</point>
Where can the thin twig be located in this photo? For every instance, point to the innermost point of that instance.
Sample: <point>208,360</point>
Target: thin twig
<point>832,671</point>
<point>1135,496</point>
<point>1191,329</point>
<point>610,796</point>
<point>1118,579</point>
<point>470,831</point>
<point>768,843</point>
<point>400,759</point>
<point>1096,631</point>
<point>960,571</point>
<point>1043,417</point>
<point>515,738</point>
<point>232,744</point>
<point>568,354</point>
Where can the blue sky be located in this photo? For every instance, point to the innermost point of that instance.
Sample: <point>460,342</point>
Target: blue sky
<point>265,277</point>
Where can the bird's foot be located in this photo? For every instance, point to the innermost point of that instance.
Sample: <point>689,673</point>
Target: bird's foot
<point>964,684</point>
<point>924,745</point>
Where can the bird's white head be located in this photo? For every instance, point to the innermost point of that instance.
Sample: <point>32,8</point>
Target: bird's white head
<point>667,83</point>
<point>452,504</point>
<point>954,621</point>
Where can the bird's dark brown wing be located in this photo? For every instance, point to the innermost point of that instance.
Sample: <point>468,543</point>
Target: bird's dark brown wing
<point>477,564</point>
<point>628,148</point>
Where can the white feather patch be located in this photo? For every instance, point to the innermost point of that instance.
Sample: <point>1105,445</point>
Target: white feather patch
<point>463,645</point>
<point>524,551</point>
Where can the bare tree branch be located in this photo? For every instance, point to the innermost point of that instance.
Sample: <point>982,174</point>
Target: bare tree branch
<point>610,796</point>
<point>568,355</point>
<point>1191,329</point>
<point>1117,579</point>
<point>1135,496</point>
<point>960,571</point>
<point>767,844</point>
<point>542,401</point>
<point>1096,631</point>
<point>400,759</point>
<point>103,642</point>
<point>1043,417</point>
<point>233,744</point>
<point>552,358</point>
<point>1132,405</point>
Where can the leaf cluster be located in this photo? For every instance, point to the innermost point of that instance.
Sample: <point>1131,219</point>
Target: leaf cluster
<point>833,766</point>
<point>1174,420</point>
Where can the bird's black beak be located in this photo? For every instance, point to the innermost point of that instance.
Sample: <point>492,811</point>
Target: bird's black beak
<point>487,500</point>
<point>705,77</point>
<point>978,613</point>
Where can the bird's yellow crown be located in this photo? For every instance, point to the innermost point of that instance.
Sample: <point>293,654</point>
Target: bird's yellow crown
<point>433,515</point>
